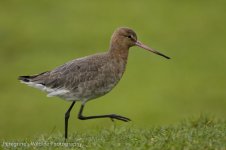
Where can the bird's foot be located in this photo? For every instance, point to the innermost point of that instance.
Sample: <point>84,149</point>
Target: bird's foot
<point>118,117</point>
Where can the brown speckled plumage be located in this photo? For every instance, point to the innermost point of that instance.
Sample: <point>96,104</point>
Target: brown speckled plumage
<point>91,76</point>
<point>85,78</point>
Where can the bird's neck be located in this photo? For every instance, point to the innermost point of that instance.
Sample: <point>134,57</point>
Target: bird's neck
<point>118,57</point>
<point>119,52</point>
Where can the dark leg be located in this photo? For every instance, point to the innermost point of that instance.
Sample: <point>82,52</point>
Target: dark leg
<point>67,115</point>
<point>111,116</point>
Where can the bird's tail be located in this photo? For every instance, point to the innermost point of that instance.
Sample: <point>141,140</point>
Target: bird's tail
<point>25,78</point>
<point>29,78</point>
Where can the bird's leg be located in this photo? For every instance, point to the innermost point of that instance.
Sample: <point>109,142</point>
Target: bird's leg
<point>111,116</point>
<point>67,115</point>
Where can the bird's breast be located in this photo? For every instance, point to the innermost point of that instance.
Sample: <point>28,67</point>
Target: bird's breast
<point>105,80</point>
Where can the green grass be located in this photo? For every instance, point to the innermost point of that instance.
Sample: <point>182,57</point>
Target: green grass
<point>198,134</point>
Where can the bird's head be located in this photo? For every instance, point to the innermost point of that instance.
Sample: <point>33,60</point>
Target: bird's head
<point>124,38</point>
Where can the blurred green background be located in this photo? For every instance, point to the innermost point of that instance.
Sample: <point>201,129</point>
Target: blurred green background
<point>37,36</point>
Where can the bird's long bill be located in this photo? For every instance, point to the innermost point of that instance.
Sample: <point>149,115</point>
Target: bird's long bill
<point>138,43</point>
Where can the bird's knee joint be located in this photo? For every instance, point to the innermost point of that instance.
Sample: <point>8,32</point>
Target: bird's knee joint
<point>67,116</point>
<point>81,117</point>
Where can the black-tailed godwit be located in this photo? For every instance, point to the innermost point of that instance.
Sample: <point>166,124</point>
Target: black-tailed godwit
<point>90,77</point>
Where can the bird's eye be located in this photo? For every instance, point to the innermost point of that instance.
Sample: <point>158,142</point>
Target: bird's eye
<point>130,36</point>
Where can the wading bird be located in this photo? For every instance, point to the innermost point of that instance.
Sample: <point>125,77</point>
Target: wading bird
<point>90,77</point>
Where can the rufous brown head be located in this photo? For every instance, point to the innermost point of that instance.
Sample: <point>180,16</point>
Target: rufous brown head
<point>125,38</point>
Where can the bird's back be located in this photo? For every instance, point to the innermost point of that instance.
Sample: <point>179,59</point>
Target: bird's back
<point>80,79</point>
